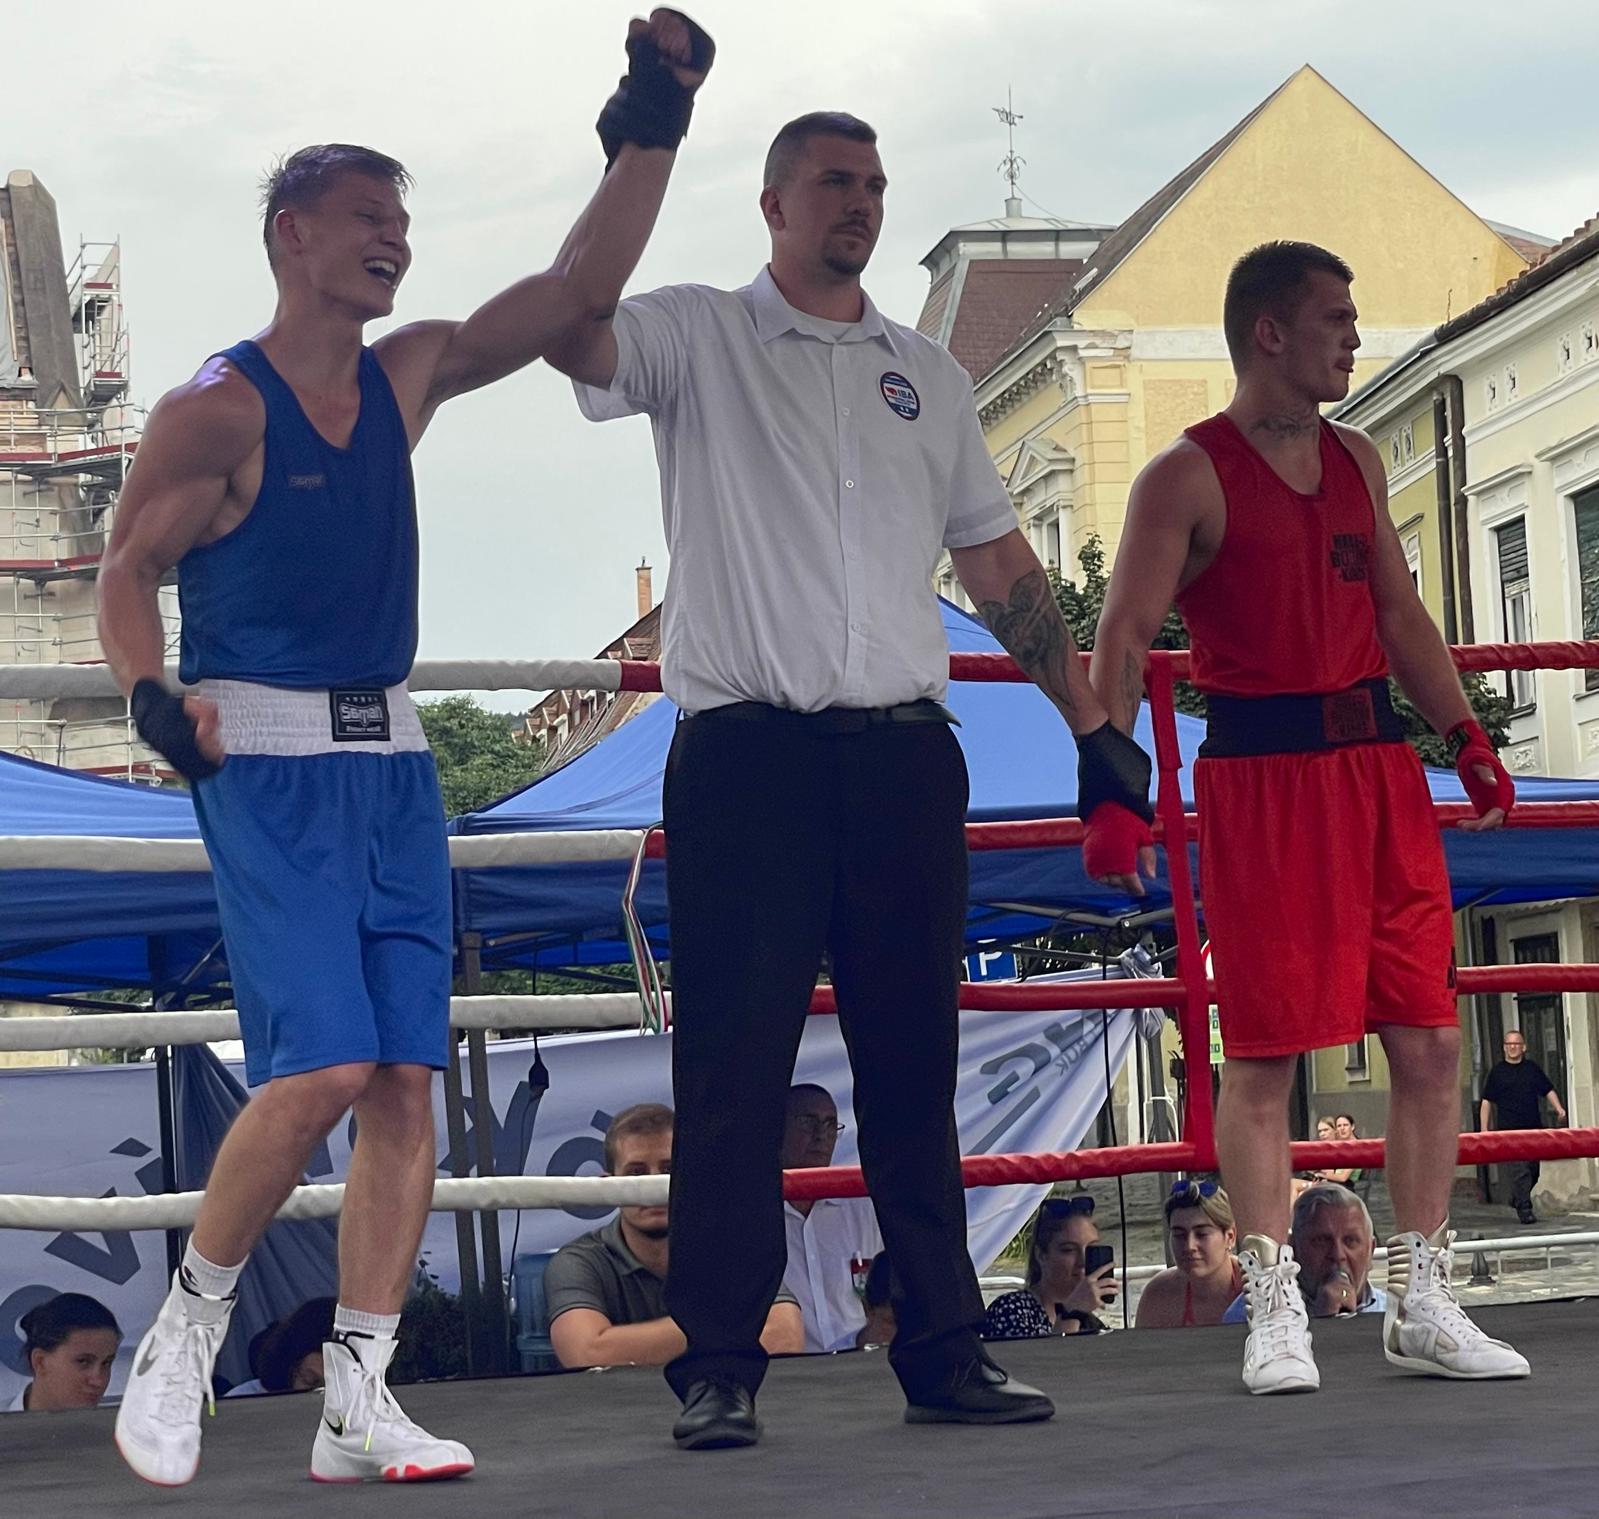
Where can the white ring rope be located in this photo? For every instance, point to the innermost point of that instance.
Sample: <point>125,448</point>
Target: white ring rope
<point>46,682</point>
<point>177,1210</point>
<point>142,1030</point>
<point>478,851</point>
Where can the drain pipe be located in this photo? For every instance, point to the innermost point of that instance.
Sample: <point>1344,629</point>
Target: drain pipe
<point>1446,513</point>
<point>1462,514</point>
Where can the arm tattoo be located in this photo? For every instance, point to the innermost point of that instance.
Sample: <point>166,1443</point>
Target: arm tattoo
<point>1031,627</point>
<point>1132,692</point>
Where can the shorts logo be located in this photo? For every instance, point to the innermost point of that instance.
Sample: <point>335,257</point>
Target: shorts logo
<point>1351,552</point>
<point>900,395</point>
<point>307,482</point>
<point>360,716</point>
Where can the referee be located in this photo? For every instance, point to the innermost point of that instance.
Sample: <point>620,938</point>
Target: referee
<point>814,458</point>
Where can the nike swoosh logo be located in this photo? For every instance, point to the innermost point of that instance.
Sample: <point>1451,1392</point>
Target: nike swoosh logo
<point>146,1361</point>
<point>335,1425</point>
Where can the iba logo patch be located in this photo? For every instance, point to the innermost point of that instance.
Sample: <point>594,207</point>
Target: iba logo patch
<point>900,395</point>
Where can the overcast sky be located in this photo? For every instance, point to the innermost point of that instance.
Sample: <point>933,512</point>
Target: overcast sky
<point>153,121</point>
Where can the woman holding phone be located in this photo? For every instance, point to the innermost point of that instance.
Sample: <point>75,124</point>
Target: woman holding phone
<point>1070,1277</point>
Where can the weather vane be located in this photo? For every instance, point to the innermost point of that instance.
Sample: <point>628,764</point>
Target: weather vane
<point>1011,164</point>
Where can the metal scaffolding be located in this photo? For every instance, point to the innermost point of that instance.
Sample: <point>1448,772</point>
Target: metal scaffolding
<point>62,471</point>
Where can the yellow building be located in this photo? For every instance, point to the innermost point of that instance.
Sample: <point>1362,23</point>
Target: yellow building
<point>1128,350</point>
<point>1504,517</point>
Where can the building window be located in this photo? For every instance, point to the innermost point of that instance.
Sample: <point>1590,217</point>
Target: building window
<point>1357,1059</point>
<point>1540,1014</point>
<point>1407,442</point>
<point>1515,601</point>
<point>1585,509</point>
<point>1413,559</point>
<point>1052,545</point>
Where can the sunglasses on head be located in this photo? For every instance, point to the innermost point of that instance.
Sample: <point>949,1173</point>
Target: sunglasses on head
<point>1064,1207</point>
<point>1193,1190</point>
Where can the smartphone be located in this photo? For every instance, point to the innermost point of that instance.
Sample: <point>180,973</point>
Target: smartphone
<point>1097,1257</point>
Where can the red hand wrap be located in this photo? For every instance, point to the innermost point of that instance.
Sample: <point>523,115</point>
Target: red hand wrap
<point>1472,747</point>
<point>1112,837</point>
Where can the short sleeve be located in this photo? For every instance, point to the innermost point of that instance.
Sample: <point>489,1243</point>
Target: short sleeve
<point>1545,1085</point>
<point>652,332</point>
<point>980,508</point>
<point>1016,1316</point>
<point>573,1280</point>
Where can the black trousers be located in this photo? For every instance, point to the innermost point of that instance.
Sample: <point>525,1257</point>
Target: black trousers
<point>1523,1178</point>
<point>785,842</point>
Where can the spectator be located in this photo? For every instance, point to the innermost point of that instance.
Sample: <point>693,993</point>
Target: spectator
<point>1206,1278</point>
<point>290,1357</point>
<point>1325,1129</point>
<point>881,1321</point>
<point>1512,1098</point>
<point>70,1342</point>
<point>1060,1296</point>
<point>1341,1127</point>
<point>830,1238</point>
<point>1333,1243</point>
<point>606,1290</point>
<point>253,1387</point>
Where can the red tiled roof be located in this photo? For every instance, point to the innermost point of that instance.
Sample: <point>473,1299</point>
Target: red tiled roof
<point>1582,245</point>
<point>997,297</point>
<point>937,302</point>
<point>1533,252</point>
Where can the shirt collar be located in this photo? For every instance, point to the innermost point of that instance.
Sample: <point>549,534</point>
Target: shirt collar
<point>616,1242</point>
<point>774,316</point>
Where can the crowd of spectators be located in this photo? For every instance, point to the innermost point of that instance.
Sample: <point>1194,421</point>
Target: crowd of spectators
<point>605,1291</point>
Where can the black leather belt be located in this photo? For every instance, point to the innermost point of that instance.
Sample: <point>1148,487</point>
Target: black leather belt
<point>1245,725</point>
<point>832,719</point>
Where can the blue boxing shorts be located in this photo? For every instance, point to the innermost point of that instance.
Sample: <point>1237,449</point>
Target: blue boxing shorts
<point>326,836</point>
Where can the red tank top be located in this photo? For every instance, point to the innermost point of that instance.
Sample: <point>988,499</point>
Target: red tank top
<point>1285,607</point>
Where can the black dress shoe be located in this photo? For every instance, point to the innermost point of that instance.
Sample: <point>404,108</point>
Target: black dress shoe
<point>979,1393</point>
<point>718,1414</point>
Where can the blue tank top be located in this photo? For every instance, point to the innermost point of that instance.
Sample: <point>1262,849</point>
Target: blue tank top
<point>317,587</point>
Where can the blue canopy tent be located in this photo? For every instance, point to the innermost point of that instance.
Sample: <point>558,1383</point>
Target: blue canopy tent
<point>81,930</point>
<point>1023,766</point>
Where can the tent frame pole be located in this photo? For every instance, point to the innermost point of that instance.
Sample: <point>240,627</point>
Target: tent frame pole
<point>465,1240</point>
<point>495,1315</point>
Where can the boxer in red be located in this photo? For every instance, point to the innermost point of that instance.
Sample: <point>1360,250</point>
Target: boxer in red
<point>1325,893</point>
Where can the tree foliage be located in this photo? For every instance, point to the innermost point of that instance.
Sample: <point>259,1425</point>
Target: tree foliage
<point>1082,603</point>
<point>477,758</point>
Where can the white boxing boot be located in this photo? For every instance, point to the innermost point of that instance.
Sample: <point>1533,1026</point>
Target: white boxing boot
<point>1425,1328</point>
<point>1277,1356</point>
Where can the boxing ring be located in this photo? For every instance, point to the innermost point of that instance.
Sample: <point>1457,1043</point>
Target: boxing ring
<point>1151,1423</point>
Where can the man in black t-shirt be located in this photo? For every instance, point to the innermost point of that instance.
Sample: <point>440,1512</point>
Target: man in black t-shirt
<point>1511,1100</point>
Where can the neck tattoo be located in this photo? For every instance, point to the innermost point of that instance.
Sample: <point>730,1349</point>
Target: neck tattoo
<point>1280,427</point>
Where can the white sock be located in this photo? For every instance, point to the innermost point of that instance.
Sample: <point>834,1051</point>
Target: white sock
<point>353,1321</point>
<point>205,1290</point>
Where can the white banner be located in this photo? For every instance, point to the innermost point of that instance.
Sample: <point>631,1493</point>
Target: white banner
<point>1028,1082</point>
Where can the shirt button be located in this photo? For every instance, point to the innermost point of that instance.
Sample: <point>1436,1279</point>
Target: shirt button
<point>846,411</point>
<point>849,485</point>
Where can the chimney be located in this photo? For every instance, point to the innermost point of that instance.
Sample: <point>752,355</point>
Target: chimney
<point>646,589</point>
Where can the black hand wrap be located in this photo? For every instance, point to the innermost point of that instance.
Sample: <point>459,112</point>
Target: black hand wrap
<point>169,730</point>
<point>1112,768</point>
<point>650,108</point>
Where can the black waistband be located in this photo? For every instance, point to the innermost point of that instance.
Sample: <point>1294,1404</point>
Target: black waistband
<point>830,719</point>
<point>1245,725</point>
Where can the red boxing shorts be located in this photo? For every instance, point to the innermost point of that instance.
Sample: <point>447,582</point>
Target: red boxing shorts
<point>1325,897</point>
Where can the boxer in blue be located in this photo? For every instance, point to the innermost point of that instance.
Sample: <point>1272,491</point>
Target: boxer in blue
<point>278,483</point>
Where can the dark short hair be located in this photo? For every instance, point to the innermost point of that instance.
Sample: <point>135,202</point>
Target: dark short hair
<point>641,1118</point>
<point>791,140</point>
<point>1348,1117</point>
<point>47,1326</point>
<point>305,1330</point>
<point>811,1089</point>
<point>1270,281</point>
<point>301,179</point>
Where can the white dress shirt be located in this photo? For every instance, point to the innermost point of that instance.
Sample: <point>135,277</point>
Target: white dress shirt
<point>811,472</point>
<point>820,1245</point>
